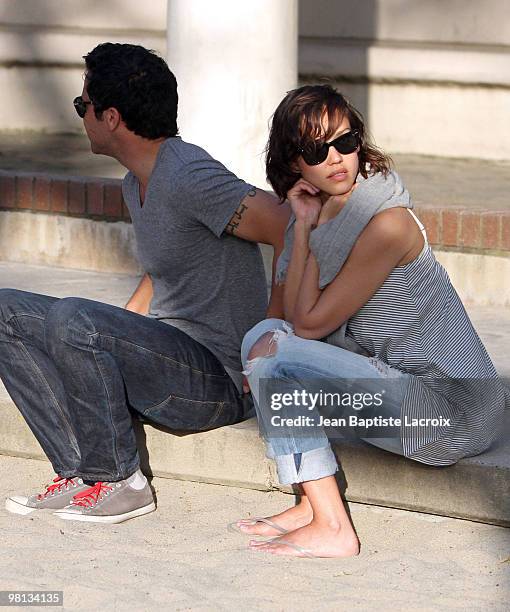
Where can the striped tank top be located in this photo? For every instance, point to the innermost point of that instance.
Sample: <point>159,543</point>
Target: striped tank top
<point>416,322</point>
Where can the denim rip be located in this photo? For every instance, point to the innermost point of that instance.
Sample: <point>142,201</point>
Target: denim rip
<point>277,336</point>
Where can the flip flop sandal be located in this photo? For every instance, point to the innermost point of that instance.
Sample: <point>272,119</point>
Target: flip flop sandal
<point>305,552</point>
<point>259,519</point>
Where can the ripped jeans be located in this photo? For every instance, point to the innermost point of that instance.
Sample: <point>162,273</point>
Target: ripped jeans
<point>303,454</point>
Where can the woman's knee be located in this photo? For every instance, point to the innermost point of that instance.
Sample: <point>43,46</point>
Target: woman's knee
<point>266,360</point>
<point>262,328</point>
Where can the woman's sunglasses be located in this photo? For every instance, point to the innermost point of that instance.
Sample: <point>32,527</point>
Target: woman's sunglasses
<point>316,152</point>
<point>80,106</point>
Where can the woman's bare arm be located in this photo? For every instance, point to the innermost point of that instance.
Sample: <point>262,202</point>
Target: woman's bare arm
<point>296,268</point>
<point>385,241</point>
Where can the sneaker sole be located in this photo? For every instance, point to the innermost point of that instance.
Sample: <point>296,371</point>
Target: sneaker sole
<point>118,518</point>
<point>17,508</point>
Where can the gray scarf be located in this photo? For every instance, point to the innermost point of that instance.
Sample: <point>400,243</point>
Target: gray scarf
<point>332,242</point>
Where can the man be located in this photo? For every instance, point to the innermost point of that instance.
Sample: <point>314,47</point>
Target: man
<point>76,368</point>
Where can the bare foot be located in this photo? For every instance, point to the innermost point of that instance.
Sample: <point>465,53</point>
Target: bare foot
<point>313,540</point>
<point>290,520</point>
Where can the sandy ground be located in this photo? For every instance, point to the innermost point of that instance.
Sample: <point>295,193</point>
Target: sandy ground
<point>183,557</point>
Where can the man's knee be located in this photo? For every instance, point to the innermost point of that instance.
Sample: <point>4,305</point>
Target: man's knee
<point>68,307</point>
<point>15,302</point>
<point>68,317</point>
<point>9,299</point>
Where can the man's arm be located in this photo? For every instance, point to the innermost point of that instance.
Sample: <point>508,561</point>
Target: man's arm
<point>261,218</point>
<point>140,300</point>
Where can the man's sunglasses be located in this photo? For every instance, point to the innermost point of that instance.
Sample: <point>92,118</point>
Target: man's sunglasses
<point>316,152</point>
<point>80,105</point>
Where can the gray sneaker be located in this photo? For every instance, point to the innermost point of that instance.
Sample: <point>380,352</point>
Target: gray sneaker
<point>57,495</point>
<point>111,502</point>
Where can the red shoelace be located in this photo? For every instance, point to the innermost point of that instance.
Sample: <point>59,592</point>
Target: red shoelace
<point>89,497</point>
<point>61,483</point>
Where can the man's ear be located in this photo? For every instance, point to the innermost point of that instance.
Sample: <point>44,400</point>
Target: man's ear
<point>112,118</point>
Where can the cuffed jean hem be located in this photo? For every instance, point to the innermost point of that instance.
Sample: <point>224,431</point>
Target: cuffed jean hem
<point>314,464</point>
<point>100,477</point>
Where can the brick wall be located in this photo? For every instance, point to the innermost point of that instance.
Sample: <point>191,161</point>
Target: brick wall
<point>467,228</point>
<point>93,198</point>
<point>101,199</point>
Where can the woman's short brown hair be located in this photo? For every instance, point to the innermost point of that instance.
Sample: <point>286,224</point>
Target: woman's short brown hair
<point>298,119</point>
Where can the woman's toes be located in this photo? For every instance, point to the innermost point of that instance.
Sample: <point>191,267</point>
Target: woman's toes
<point>257,543</point>
<point>252,527</point>
<point>245,524</point>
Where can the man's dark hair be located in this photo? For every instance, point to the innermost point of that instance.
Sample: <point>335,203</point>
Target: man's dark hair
<point>138,83</point>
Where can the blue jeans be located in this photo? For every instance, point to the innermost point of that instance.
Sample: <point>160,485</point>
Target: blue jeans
<point>77,369</point>
<point>304,453</point>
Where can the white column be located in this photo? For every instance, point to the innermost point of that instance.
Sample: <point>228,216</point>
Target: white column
<point>234,61</point>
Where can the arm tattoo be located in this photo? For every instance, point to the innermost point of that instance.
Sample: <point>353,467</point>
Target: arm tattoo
<point>233,224</point>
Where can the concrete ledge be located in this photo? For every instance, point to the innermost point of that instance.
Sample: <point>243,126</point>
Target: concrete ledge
<point>478,277</point>
<point>70,242</point>
<point>477,488</point>
<point>89,244</point>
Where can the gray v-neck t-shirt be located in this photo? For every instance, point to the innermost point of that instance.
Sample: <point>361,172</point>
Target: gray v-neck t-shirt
<point>207,283</point>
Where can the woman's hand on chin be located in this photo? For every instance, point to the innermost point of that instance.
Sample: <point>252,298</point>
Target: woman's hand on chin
<point>334,205</point>
<point>305,202</point>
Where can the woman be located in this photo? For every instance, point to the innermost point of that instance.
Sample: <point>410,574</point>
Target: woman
<point>360,275</point>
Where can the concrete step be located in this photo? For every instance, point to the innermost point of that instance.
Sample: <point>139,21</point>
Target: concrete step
<point>477,488</point>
